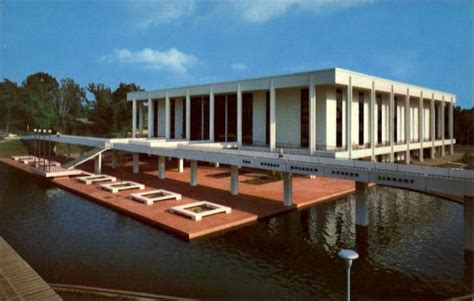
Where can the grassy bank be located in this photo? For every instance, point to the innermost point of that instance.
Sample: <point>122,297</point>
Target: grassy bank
<point>12,148</point>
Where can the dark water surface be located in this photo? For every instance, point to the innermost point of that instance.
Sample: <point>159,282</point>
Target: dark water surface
<point>412,249</point>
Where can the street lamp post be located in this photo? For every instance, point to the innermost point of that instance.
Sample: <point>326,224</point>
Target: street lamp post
<point>348,256</point>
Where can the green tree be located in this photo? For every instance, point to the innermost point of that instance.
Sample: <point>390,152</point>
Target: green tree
<point>102,113</point>
<point>68,103</point>
<point>11,108</point>
<point>41,90</point>
<point>123,108</point>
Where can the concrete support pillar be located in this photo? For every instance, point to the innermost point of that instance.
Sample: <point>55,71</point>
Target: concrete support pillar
<point>216,164</point>
<point>432,126</point>
<point>136,162</point>
<point>391,125</point>
<point>211,114</point>
<point>161,167</point>
<point>134,118</point>
<point>140,117</point>
<point>408,126</point>
<point>272,116</point>
<point>239,115</point>
<point>372,113</point>
<point>312,116</point>
<point>421,125</point>
<point>287,189</point>
<point>451,127</point>
<point>194,167</point>
<point>167,117</point>
<point>234,180</point>
<point>469,223</point>
<point>180,165</point>
<point>188,115</point>
<point>362,212</point>
<point>349,118</point>
<point>443,121</point>
<point>150,117</point>
<point>98,164</point>
<point>114,160</point>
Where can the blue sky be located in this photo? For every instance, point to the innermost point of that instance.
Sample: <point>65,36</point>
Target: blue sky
<point>161,44</point>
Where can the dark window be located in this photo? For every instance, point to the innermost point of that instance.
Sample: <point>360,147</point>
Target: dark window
<point>437,135</point>
<point>196,130</point>
<point>446,120</point>
<point>361,118</point>
<point>172,117</point>
<point>205,118</point>
<point>339,118</point>
<point>304,121</point>
<point>379,118</point>
<point>219,118</point>
<point>247,118</point>
<point>232,117</point>
<point>267,117</point>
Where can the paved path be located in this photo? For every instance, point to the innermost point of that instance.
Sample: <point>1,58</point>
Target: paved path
<point>18,281</point>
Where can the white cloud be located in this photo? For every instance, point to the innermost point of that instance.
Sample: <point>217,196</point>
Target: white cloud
<point>239,67</point>
<point>156,12</point>
<point>171,59</point>
<point>401,64</point>
<point>261,11</point>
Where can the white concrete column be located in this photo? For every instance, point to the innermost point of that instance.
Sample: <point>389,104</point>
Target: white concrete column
<point>349,118</point>
<point>469,223</point>
<point>234,180</point>
<point>211,114</point>
<point>239,115</point>
<point>98,164</point>
<point>134,118</point>
<point>188,115</point>
<point>68,151</point>
<point>114,160</point>
<point>272,116</point>
<point>287,189</point>
<point>443,121</point>
<point>150,117</point>
<point>167,117</point>
<point>136,166</point>
<point>432,127</point>
<point>216,165</point>
<point>451,126</point>
<point>162,167</point>
<point>372,127</point>
<point>421,125</point>
<point>407,126</point>
<point>180,165</point>
<point>194,167</point>
<point>312,116</point>
<point>362,212</point>
<point>140,117</point>
<point>391,125</point>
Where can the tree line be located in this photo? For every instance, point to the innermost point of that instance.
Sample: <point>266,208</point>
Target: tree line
<point>41,101</point>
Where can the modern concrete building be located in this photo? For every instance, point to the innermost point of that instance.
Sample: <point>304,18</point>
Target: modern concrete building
<point>332,113</point>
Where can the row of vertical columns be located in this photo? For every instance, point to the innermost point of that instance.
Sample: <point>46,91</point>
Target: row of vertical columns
<point>407,126</point>
<point>150,117</point>
<point>372,132</point>
<point>421,118</point>
<point>349,118</point>
<point>312,116</point>
<point>272,116</point>
<point>391,124</point>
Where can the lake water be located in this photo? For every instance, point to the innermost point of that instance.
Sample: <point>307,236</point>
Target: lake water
<point>412,248</point>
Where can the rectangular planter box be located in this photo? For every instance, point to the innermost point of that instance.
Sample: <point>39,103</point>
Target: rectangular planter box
<point>209,209</point>
<point>150,197</point>
<point>96,178</point>
<point>119,186</point>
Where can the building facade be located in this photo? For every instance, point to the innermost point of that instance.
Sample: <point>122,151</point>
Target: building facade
<point>334,112</point>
